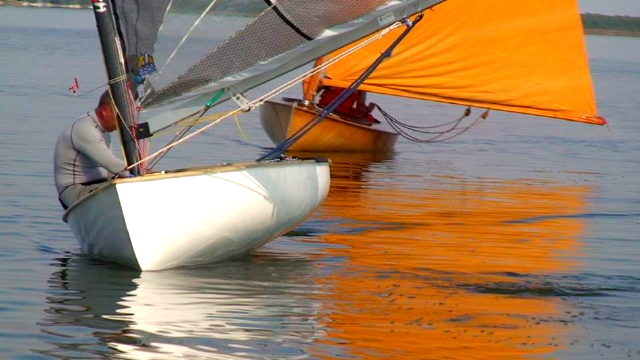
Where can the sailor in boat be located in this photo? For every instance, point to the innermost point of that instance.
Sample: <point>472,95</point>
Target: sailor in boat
<point>83,159</point>
<point>354,108</point>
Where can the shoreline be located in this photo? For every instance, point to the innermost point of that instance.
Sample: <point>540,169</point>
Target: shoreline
<point>16,3</point>
<point>41,5</point>
<point>605,32</point>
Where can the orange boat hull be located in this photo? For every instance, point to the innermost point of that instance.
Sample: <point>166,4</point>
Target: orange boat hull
<point>334,134</point>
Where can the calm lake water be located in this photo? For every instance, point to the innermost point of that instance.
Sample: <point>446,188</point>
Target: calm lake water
<point>518,239</point>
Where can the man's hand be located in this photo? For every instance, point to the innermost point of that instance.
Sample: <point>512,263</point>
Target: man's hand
<point>124,174</point>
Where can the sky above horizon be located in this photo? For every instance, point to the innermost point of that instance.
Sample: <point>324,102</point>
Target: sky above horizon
<point>611,7</point>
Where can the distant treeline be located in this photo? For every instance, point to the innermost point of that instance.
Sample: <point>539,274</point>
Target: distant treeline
<point>239,7</point>
<point>611,25</point>
<point>593,23</point>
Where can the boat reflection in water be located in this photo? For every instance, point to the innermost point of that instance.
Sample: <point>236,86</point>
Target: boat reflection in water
<point>234,310</point>
<point>392,266</point>
<point>445,267</point>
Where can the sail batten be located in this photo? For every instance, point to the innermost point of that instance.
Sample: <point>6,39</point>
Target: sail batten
<point>530,59</point>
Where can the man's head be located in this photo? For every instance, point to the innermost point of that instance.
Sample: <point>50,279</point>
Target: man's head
<point>107,113</point>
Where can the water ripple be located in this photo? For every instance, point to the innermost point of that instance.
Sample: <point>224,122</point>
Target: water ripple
<point>572,216</point>
<point>578,285</point>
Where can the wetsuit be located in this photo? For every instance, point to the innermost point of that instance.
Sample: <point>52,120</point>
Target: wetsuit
<point>83,159</point>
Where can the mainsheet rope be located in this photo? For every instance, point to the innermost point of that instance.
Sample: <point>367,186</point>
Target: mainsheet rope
<point>403,128</point>
<point>262,99</point>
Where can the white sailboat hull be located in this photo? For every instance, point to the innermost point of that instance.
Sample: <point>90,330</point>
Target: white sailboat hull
<point>197,216</point>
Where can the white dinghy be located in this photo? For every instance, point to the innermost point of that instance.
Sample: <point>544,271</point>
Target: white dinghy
<point>168,63</point>
<point>197,216</point>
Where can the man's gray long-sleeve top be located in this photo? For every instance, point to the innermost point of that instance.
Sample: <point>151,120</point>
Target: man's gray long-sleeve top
<point>83,154</point>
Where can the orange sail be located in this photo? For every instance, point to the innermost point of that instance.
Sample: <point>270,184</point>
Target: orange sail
<point>518,56</point>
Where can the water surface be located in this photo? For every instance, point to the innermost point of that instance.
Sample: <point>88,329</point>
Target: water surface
<point>518,239</point>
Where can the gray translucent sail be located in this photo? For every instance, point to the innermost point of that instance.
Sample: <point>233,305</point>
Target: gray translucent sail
<point>272,44</point>
<point>162,38</point>
<point>139,22</point>
<point>285,26</point>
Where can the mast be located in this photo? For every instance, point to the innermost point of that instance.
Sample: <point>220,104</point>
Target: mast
<point>115,66</point>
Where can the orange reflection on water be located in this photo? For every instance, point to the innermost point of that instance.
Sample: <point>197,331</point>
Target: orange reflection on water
<point>441,267</point>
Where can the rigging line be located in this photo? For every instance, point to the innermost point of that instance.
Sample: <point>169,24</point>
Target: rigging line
<point>453,124</point>
<point>278,150</point>
<point>198,117</point>
<point>476,122</point>
<point>286,20</point>
<point>123,44</point>
<point>240,129</point>
<point>182,122</point>
<point>177,137</point>
<point>92,90</point>
<point>184,38</point>
<point>437,138</point>
<point>182,41</point>
<point>123,125</point>
<point>112,81</point>
<point>164,17</point>
<point>422,129</point>
<point>177,122</point>
<point>395,124</point>
<point>115,80</point>
<point>418,129</point>
<point>278,90</point>
<point>217,95</point>
<point>399,125</point>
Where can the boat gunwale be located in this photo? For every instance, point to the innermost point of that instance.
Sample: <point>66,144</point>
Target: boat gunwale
<point>193,171</point>
<point>296,105</point>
